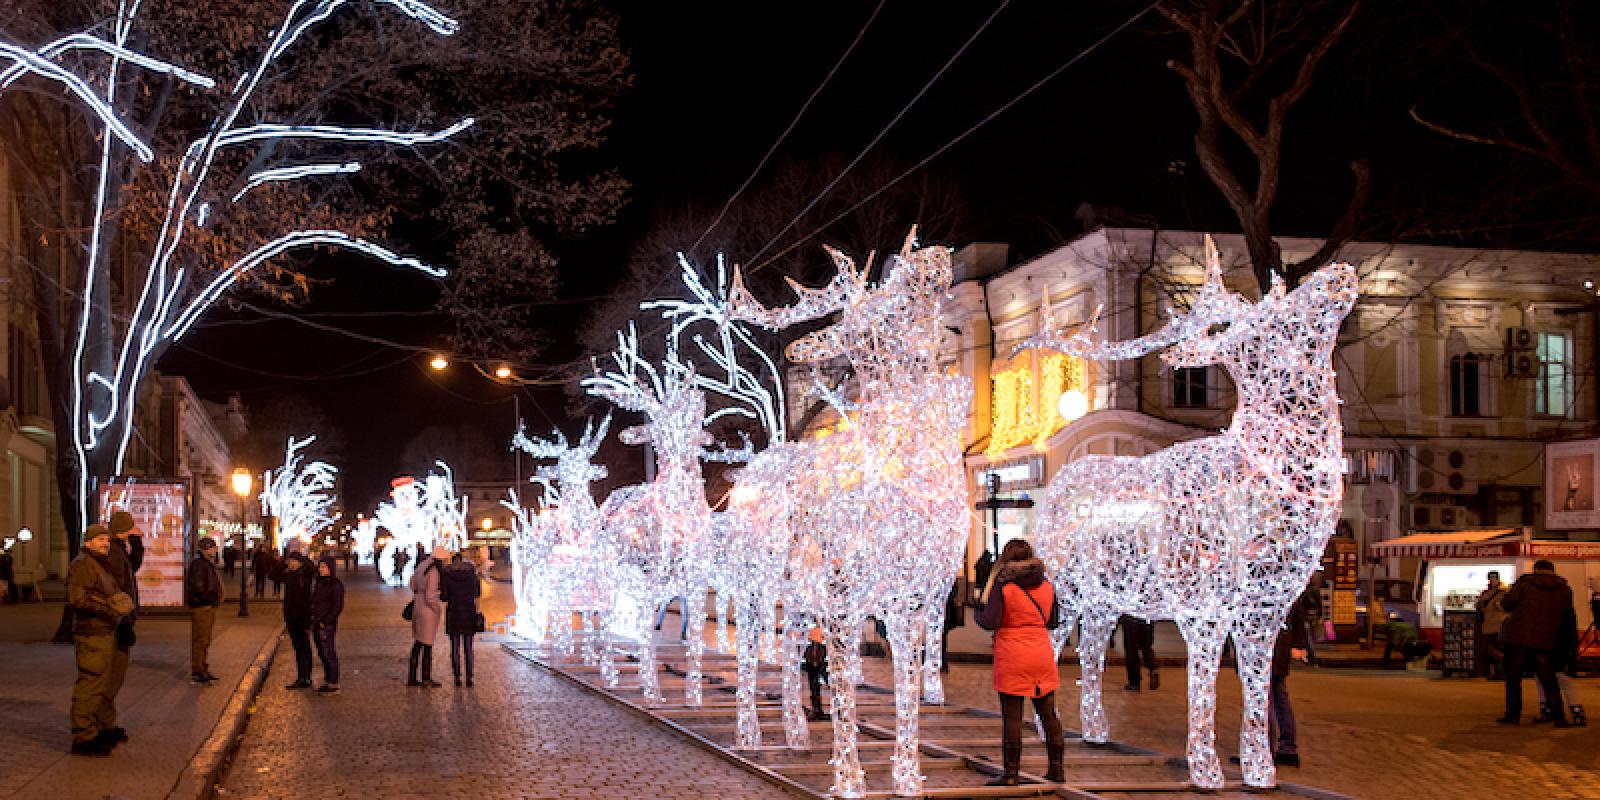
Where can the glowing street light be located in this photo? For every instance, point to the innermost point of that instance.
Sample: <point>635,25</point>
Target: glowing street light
<point>439,362</point>
<point>1073,404</point>
<point>502,372</point>
<point>243,480</point>
<point>486,523</point>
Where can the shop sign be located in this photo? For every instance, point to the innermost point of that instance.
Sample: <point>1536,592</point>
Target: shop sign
<point>160,510</point>
<point>1569,490</point>
<point>1017,473</point>
<point>1568,550</point>
<point>1371,466</point>
<point>1346,576</point>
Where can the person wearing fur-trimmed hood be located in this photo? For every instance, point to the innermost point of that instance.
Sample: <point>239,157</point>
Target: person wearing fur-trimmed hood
<point>1021,609</point>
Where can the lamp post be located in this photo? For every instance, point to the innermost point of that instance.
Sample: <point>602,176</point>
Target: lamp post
<point>243,481</point>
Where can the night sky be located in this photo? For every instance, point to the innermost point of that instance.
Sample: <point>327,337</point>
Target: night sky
<point>714,85</point>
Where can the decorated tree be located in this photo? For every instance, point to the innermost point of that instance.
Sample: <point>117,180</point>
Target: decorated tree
<point>152,185</point>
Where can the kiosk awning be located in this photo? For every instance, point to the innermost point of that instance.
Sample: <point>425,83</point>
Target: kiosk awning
<point>1459,544</point>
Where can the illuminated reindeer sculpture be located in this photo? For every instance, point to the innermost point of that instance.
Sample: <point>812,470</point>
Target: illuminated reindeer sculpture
<point>1218,534</point>
<point>662,528</point>
<point>882,520</point>
<point>554,553</point>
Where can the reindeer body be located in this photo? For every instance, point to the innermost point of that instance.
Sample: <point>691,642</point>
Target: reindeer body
<point>879,518</point>
<point>1219,534</point>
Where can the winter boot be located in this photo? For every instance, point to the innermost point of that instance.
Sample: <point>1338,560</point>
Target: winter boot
<point>427,667</point>
<point>1545,714</point>
<point>1011,754</point>
<point>1579,718</point>
<point>411,674</point>
<point>1057,773</point>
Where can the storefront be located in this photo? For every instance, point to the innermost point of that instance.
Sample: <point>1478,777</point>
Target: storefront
<point>1452,568</point>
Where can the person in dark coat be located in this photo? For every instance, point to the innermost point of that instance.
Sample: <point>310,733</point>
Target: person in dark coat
<point>460,586</point>
<point>98,607</point>
<point>297,579</point>
<point>327,603</point>
<point>955,616</point>
<point>126,556</point>
<point>1138,651</point>
<point>228,556</point>
<point>1024,658</point>
<point>202,593</point>
<point>1293,644</point>
<point>8,577</point>
<point>814,662</point>
<point>261,566</point>
<point>1538,603</point>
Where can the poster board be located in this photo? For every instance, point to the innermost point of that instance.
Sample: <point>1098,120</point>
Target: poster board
<point>1346,577</point>
<point>160,509</point>
<point>1460,643</point>
<point>1570,496</point>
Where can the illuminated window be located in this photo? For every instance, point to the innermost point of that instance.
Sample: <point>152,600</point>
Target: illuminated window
<point>1552,386</point>
<point>1025,399</point>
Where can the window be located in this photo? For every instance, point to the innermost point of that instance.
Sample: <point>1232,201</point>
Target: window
<point>1467,384</point>
<point>1189,387</point>
<point>1552,385</point>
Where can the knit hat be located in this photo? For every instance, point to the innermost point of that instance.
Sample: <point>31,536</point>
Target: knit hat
<point>95,530</point>
<point>121,522</point>
<point>207,543</point>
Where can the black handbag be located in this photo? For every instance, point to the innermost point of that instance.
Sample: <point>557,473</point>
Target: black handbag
<point>409,611</point>
<point>478,624</point>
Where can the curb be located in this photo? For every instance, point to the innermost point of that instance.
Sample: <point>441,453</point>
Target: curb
<point>199,779</point>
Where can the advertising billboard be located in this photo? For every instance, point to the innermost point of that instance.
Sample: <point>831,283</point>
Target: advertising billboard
<point>160,509</point>
<point>1569,489</point>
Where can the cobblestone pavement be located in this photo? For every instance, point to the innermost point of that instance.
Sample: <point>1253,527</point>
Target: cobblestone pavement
<point>167,719</point>
<point>521,732</point>
<point>1367,734</point>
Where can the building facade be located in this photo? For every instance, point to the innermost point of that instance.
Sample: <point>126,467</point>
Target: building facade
<point>1455,369</point>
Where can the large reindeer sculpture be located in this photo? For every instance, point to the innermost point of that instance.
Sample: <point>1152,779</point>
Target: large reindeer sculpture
<point>1218,534</point>
<point>882,520</point>
<point>552,584</point>
<point>662,527</point>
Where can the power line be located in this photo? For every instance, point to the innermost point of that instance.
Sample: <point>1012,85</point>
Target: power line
<point>885,130</point>
<point>792,123</point>
<point>1004,107</point>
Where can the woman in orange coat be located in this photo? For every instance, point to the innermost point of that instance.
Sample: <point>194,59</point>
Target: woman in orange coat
<point>1021,610</point>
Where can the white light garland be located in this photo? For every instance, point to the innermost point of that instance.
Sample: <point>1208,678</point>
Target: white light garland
<point>1220,534</point>
<point>299,494</point>
<point>172,297</point>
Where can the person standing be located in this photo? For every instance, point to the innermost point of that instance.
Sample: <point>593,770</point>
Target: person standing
<point>98,606</point>
<point>8,577</point>
<point>814,662</point>
<point>1293,644</point>
<point>327,603</point>
<point>1494,618</point>
<point>1138,651</point>
<point>126,556</point>
<point>426,609</point>
<point>401,556</point>
<point>228,555</point>
<point>202,593</point>
<point>1538,603</point>
<point>461,591</point>
<point>297,579</point>
<point>261,566</point>
<point>1024,658</point>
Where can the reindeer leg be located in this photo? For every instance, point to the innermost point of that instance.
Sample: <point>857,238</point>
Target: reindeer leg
<point>907,642</point>
<point>1204,638</point>
<point>694,609</point>
<point>796,732</point>
<point>844,652</point>
<point>608,660</point>
<point>748,736</point>
<point>1253,641</point>
<point>724,636</point>
<point>933,655</point>
<point>1097,624</point>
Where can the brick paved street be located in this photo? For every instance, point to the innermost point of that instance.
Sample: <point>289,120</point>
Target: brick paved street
<point>520,732</point>
<point>166,718</point>
<point>1364,733</point>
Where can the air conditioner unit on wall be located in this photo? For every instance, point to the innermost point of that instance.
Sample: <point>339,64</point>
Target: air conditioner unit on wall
<point>1519,339</point>
<point>1522,365</point>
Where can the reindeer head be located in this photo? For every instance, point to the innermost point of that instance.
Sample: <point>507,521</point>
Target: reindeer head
<point>573,467</point>
<point>673,406</point>
<point>891,323</point>
<point>1213,322</point>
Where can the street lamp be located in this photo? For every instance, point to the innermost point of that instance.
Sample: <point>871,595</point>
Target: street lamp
<point>243,481</point>
<point>502,372</point>
<point>439,362</point>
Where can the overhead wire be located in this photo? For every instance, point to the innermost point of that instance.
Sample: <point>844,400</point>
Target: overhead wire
<point>1004,107</point>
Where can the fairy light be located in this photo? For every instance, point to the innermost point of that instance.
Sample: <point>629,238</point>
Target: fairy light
<point>172,296</point>
<point>882,522</point>
<point>299,494</point>
<point>1220,534</point>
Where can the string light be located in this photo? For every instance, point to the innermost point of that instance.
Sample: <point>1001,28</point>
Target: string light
<point>299,494</point>
<point>1220,534</point>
